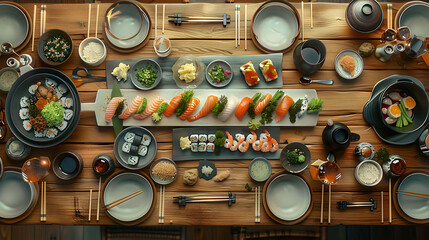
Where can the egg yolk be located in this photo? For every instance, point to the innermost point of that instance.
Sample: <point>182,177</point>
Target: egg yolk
<point>409,102</point>
<point>395,110</point>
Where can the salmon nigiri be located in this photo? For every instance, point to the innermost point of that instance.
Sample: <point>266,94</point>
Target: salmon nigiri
<point>191,108</point>
<point>283,108</point>
<point>208,106</point>
<point>174,103</point>
<point>262,104</point>
<point>132,108</point>
<point>242,107</point>
<point>112,106</point>
<point>149,109</point>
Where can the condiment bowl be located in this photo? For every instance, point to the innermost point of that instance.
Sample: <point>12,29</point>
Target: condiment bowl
<point>15,73</point>
<point>56,165</point>
<point>358,61</point>
<point>160,181</point>
<point>199,77</point>
<point>144,63</point>
<point>258,159</point>
<point>380,170</point>
<point>48,34</point>
<point>295,167</point>
<point>225,66</point>
<point>82,46</point>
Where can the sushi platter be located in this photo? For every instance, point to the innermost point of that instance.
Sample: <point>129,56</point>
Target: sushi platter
<point>225,154</point>
<point>103,97</point>
<point>236,62</point>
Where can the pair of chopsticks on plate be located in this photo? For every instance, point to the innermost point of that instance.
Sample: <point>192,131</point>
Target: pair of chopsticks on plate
<point>96,19</point>
<point>257,204</point>
<point>123,199</point>
<point>156,19</point>
<point>43,202</point>
<point>98,202</point>
<point>42,23</point>
<point>161,204</point>
<point>329,203</point>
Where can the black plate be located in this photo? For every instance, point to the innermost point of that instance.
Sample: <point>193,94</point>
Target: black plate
<point>20,89</point>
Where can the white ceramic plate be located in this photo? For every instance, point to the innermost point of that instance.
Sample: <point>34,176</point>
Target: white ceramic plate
<point>123,185</point>
<point>275,27</point>
<point>416,17</point>
<point>288,197</point>
<point>417,208</point>
<point>16,195</point>
<point>14,25</point>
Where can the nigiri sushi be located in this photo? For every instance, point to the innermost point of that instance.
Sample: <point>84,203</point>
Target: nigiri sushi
<point>283,108</point>
<point>111,107</point>
<point>132,108</point>
<point>230,106</point>
<point>174,103</point>
<point>149,109</point>
<point>242,107</point>
<point>250,75</point>
<point>208,106</point>
<point>191,108</point>
<point>262,103</point>
<point>268,70</point>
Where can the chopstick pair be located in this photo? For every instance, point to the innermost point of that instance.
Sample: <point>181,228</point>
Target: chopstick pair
<point>43,202</point>
<point>98,202</point>
<point>123,199</point>
<point>257,204</point>
<point>161,204</point>
<point>329,203</point>
<point>42,19</point>
<point>413,194</point>
<point>96,19</point>
<point>237,25</point>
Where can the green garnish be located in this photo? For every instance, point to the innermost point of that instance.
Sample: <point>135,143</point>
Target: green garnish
<point>183,104</point>
<point>142,106</point>
<point>56,49</point>
<point>254,124</point>
<point>53,113</point>
<point>267,113</point>
<point>294,109</point>
<point>220,105</point>
<point>220,141</point>
<point>301,158</point>
<point>117,123</point>
<point>315,105</point>
<point>32,109</point>
<point>248,187</point>
<point>251,109</point>
<point>146,76</point>
<point>157,115</point>
<point>292,157</point>
<point>382,155</point>
<point>217,74</point>
<point>120,108</point>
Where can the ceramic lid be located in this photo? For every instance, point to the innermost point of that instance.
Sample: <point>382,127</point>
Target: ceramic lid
<point>364,16</point>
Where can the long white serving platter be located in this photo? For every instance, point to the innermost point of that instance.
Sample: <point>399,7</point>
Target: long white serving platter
<point>103,96</point>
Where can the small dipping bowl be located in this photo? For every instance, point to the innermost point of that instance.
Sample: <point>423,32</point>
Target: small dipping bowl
<point>363,163</point>
<point>85,43</point>
<point>17,150</point>
<point>103,165</point>
<point>158,180</point>
<point>358,63</point>
<point>9,79</point>
<point>257,163</point>
<point>225,66</point>
<point>67,165</point>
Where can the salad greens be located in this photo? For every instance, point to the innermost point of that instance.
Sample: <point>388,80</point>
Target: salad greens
<point>56,49</point>
<point>251,109</point>
<point>146,76</point>
<point>183,104</point>
<point>220,105</point>
<point>315,105</point>
<point>217,74</point>
<point>53,113</point>
<point>118,124</point>
<point>220,141</point>
<point>267,113</point>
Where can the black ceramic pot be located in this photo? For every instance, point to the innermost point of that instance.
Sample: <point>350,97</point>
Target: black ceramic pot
<point>337,136</point>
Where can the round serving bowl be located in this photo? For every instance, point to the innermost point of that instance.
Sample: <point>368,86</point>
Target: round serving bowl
<point>414,15</point>
<point>60,172</point>
<point>199,77</point>
<point>260,159</point>
<point>158,180</point>
<point>82,46</point>
<point>144,63</point>
<point>43,39</point>
<point>358,61</point>
<point>15,25</point>
<point>295,167</point>
<point>225,66</point>
<point>380,176</point>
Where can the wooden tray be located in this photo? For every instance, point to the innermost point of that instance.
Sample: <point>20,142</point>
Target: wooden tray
<point>99,107</point>
<point>183,155</point>
<point>236,62</point>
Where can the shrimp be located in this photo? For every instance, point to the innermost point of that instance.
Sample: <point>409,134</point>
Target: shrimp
<point>275,145</point>
<point>251,138</point>
<point>256,145</point>
<point>236,144</point>
<point>244,146</point>
<point>228,143</point>
<point>267,146</point>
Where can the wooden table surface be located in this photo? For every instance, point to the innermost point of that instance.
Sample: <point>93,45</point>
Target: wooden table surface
<point>343,102</point>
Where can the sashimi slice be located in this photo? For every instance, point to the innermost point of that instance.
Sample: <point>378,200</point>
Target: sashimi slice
<point>132,108</point>
<point>242,107</point>
<point>283,108</point>
<point>174,103</point>
<point>111,107</point>
<point>149,109</point>
<point>262,104</point>
<point>191,108</point>
<point>208,106</point>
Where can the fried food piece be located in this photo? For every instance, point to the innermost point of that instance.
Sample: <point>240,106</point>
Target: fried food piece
<point>348,63</point>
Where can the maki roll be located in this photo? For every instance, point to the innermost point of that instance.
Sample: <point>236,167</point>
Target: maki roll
<point>202,138</point>
<point>137,140</point>
<point>40,134</point>
<point>50,83</point>
<point>202,147</point>
<point>62,100</point>
<point>24,114</point>
<point>134,150</point>
<point>62,126</point>
<point>194,138</point>
<point>133,160</point>
<point>68,103</point>
<point>126,148</point>
<point>250,75</point>
<point>129,137</point>
<point>68,114</point>
<point>210,147</point>
<point>33,88</point>
<point>211,138</point>
<point>51,133</point>
<point>27,125</point>
<point>24,102</point>
<point>142,150</point>
<point>62,89</point>
<point>194,147</point>
<point>268,70</point>
<point>146,140</point>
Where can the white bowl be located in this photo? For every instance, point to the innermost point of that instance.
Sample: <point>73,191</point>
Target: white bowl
<point>358,60</point>
<point>83,44</point>
<point>378,167</point>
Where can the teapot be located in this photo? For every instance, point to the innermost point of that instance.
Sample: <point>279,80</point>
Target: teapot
<point>337,136</point>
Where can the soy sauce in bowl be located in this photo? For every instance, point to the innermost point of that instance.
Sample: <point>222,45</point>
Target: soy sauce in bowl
<point>67,165</point>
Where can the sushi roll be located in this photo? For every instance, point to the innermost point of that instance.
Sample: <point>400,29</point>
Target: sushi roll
<point>61,89</point>
<point>62,100</point>
<point>211,138</point>
<point>137,140</point>
<point>24,102</point>
<point>194,147</point>
<point>59,95</point>
<point>129,137</point>
<point>40,134</point>
<point>68,103</point>
<point>68,114</point>
<point>50,83</point>
<point>146,140</point>
<point>134,150</point>
<point>202,138</point>
<point>133,160</point>
<point>24,114</point>
<point>33,88</point>
<point>202,147</point>
<point>62,126</point>
<point>250,75</point>
<point>268,70</point>
<point>210,147</point>
<point>194,138</point>
<point>126,148</point>
<point>51,133</point>
<point>142,150</point>
<point>27,125</point>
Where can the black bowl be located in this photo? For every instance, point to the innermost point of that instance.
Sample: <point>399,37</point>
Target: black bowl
<point>20,89</point>
<point>48,34</point>
<point>421,111</point>
<point>56,165</point>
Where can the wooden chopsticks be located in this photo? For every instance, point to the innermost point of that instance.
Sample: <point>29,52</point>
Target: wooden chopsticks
<point>161,204</point>
<point>390,200</point>
<point>389,16</point>
<point>43,202</point>
<point>236,25</point>
<point>96,20</point>
<point>321,203</point>
<point>257,204</point>
<point>413,194</point>
<point>329,204</point>
<point>90,205</point>
<point>245,27</point>
<point>156,20</point>
<point>42,19</point>
<point>98,199</point>
<point>382,210</point>
<point>302,19</point>
<point>123,199</point>
<point>34,27</point>
<point>89,19</point>
<point>163,17</point>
